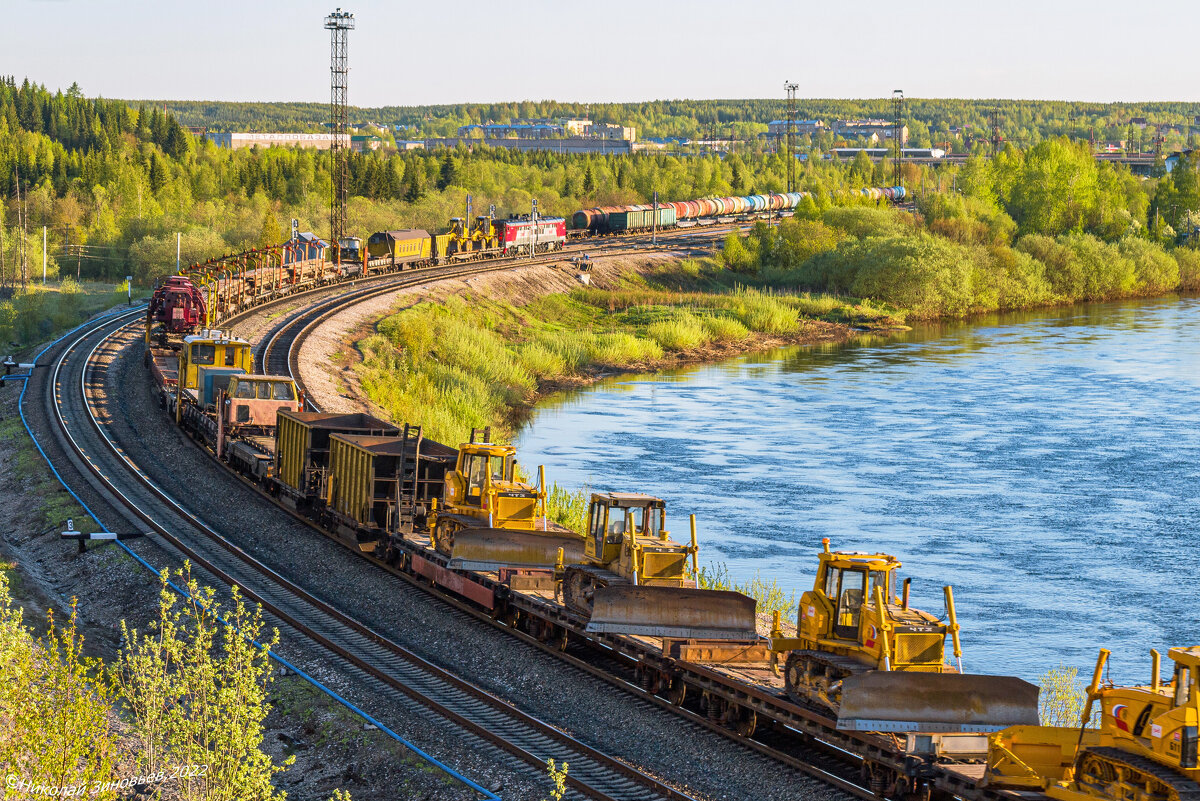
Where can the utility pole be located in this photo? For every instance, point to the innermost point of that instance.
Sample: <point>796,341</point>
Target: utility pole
<point>339,24</point>
<point>43,255</point>
<point>178,247</point>
<point>654,222</point>
<point>791,134</point>
<point>898,132</point>
<point>533,216</point>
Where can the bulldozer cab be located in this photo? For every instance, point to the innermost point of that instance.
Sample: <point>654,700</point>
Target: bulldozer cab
<point>484,485</point>
<point>614,515</point>
<point>846,582</point>
<point>482,468</point>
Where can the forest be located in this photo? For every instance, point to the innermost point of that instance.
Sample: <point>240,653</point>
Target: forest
<point>113,184</point>
<point>955,124</point>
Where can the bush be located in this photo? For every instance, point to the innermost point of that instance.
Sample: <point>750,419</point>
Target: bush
<point>1189,268</point>
<point>925,274</point>
<point>1154,270</point>
<point>861,222</point>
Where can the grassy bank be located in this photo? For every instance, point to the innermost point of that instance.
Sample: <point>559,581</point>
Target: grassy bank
<point>473,362</point>
<point>41,312</point>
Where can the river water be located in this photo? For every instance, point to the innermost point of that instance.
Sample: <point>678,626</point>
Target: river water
<point>1045,464</point>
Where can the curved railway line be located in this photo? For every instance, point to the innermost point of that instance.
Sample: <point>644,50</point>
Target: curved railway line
<point>804,740</point>
<point>75,400</point>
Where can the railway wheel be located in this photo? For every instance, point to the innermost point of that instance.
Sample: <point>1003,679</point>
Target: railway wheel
<point>677,691</point>
<point>744,722</point>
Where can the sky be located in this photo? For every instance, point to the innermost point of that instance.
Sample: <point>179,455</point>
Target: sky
<point>419,52</point>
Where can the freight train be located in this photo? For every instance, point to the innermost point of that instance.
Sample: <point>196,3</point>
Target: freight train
<point>461,519</point>
<point>206,293</point>
<point>864,672</point>
<point>640,218</point>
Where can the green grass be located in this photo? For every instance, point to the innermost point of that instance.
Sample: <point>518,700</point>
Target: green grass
<point>568,508</point>
<point>38,313</point>
<point>472,362</point>
<point>767,592</point>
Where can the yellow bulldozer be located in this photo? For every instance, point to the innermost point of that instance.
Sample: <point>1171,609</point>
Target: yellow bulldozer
<point>879,665</point>
<point>489,518</point>
<point>1145,748</point>
<point>632,578</point>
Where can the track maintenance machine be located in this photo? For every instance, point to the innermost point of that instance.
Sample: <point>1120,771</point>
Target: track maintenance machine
<point>633,577</point>
<point>1146,747</point>
<point>488,519</point>
<point>879,664</point>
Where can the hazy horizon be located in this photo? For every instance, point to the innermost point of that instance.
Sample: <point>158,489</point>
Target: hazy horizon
<point>279,52</point>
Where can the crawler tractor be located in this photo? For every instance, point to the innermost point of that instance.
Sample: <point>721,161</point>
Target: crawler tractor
<point>633,577</point>
<point>879,664</point>
<point>490,519</point>
<point>1148,743</point>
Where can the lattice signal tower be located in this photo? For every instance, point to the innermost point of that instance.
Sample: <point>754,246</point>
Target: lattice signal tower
<point>339,24</point>
<point>898,132</point>
<point>997,136</point>
<point>791,134</point>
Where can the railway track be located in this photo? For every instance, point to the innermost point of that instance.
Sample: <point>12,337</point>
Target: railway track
<point>826,762</point>
<point>75,400</point>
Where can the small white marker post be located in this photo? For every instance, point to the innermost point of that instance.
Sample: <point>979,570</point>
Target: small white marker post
<point>129,290</point>
<point>82,537</point>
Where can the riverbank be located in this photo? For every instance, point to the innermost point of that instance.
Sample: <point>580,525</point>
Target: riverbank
<point>486,356</point>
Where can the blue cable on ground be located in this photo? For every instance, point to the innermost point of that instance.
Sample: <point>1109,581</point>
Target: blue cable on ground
<point>487,794</point>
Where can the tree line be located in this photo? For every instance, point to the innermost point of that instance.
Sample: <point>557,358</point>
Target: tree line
<point>114,183</point>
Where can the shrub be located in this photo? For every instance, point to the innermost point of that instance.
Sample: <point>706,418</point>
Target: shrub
<point>1189,268</point>
<point>1154,269</point>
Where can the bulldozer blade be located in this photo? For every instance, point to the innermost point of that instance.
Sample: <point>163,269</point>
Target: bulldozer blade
<point>890,701</point>
<point>678,612</point>
<point>494,548</point>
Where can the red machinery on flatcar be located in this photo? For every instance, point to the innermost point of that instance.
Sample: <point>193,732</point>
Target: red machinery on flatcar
<point>177,308</point>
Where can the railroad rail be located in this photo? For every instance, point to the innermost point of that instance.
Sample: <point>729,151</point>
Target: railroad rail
<point>75,394</point>
<point>800,737</point>
<point>799,745</point>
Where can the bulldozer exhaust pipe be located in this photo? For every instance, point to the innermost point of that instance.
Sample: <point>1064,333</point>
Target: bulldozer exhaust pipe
<point>953,626</point>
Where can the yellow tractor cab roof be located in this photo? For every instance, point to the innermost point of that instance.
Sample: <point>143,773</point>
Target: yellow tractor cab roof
<point>487,448</point>
<point>871,561</point>
<point>215,337</point>
<point>1188,657</point>
<point>633,500</point>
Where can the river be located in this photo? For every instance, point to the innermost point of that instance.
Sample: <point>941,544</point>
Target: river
<point>1046,464</point>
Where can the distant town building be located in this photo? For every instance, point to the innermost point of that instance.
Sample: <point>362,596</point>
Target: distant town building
<point>1138,121</point>
<point>321,141</point>
<point>361,144</point>
<point>778,128</point>
<point>873,130</point>
<point>566,144</point>
<point>410,144</point>
<point>237,141</point>
<point>548,129</point>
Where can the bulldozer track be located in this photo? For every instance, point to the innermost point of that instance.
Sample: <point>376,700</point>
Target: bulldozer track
<point>1184,788</point>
